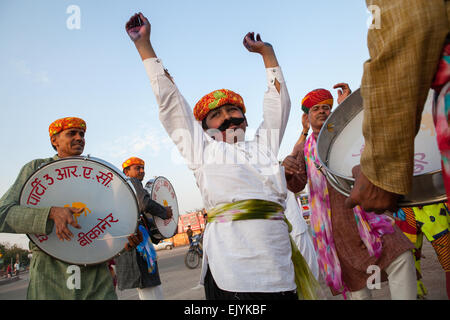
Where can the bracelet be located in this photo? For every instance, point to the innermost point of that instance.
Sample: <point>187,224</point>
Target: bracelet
<point>305,134</point>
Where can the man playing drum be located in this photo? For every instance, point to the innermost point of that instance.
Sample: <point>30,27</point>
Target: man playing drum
<point>409,53</point>
<point>405,53</point>
<point>246,241</point>
<point>135,269</point>
<point>348,243</point>
<point>48,276</point>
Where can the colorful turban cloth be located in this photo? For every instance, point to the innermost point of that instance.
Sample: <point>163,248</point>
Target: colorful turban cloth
<point>66,123</point>
<point>215,100</point>
<point>131,161</point>
<point>315,97</point>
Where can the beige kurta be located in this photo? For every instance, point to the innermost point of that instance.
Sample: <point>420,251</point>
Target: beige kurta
<point>353,255</point>
<point>404,55</point>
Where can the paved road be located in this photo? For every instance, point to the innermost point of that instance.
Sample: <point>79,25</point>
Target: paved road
<point>181,283</point>
<point>433,279</point>
<point>178,281</point>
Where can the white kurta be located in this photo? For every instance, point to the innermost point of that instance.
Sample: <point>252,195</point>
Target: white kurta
<point>300,233</point>
<point>249,255</point>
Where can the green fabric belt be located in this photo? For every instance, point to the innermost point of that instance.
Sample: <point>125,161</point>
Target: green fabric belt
<point>307,285</point>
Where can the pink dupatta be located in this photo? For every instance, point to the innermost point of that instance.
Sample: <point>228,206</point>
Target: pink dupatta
<point>370,225</point>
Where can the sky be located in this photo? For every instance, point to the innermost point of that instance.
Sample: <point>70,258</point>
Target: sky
<point>73,58</point>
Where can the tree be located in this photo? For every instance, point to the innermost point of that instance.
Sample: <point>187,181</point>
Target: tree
<point>10,254</point>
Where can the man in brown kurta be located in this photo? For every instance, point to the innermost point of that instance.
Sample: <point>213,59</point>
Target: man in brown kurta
<point>352,253</point>
<point>404,50</point>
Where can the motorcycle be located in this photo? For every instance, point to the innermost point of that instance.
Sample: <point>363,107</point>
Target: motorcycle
<point>195,252</point>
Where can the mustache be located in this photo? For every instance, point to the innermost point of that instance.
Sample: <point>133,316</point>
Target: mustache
<point>78,143</point>
<point>228,122</point>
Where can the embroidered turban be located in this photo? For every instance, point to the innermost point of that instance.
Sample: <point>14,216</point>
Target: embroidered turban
<point>66,123</point>
<point>315,97</point>
<point>215,100</point>
<point>131,161</point>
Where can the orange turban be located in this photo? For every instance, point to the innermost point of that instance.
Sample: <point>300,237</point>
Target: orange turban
<point>66,123</point>
<point>131,161</point>
<point>215,100</point>
<point>315,97</point>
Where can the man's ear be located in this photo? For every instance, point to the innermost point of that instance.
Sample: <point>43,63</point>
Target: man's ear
<point>53,140</point>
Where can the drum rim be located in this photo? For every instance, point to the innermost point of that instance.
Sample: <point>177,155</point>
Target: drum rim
<point>101,162</point>
<point>323,163</point>
<point>359,109</point>
<point>176,199</point>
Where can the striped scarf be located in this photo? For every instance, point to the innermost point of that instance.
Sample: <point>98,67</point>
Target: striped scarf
<point>307,285</point>
<point>370,226</point>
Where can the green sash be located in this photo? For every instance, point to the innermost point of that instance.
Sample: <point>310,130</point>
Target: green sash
<point>307,285</point>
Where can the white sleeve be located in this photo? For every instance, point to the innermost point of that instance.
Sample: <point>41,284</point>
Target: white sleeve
<point>276,109</point>
<point>176,115</point>
<point>300,233</point>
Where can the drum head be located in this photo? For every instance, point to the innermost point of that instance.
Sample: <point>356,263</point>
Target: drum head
<point>110,212</point>
<point>341,142</point>
<point>161,191</point>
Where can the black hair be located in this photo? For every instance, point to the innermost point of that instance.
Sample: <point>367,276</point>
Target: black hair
<point>204,125</point>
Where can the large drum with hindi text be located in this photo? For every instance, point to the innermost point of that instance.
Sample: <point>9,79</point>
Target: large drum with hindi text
<point>161,191</point>
<point>340,144</point>
<point>110,209</point>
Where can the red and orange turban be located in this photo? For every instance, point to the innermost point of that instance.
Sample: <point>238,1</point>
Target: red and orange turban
<point>315,97</point>
<point>215,100</point>
<point>131,161</point>
<point>66,123</point>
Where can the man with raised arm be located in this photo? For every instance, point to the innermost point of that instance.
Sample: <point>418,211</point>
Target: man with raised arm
<point>248,252</point>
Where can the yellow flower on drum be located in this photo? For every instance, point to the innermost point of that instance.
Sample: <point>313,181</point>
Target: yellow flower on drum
<point>79,205</point>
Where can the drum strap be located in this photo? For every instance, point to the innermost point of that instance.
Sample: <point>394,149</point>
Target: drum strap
<point>307,285</point>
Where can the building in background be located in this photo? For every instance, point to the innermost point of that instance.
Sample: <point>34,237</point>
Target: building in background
<point>197,221</point>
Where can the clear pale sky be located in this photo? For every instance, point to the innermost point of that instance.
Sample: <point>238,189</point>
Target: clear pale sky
<point>49,71</point>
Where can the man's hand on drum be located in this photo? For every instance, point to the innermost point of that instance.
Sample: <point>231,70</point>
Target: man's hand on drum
<point>291,165</point>
<point>62,216</point>
<point>134,240</point>
<point>370,197</point>
<point>343,92</point>
<point>169,213</point>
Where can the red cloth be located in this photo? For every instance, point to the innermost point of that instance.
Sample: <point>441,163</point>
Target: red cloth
<point>315,97</point>
<point>215,100</point>
<point>131,161</point>
<point>66,123</point>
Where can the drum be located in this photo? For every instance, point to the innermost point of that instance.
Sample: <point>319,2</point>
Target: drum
<point>340,144</point>
<point>161,191</point>
<point>110,209</point>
